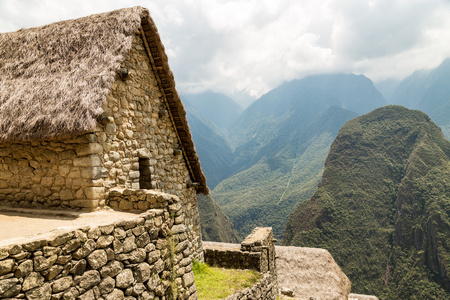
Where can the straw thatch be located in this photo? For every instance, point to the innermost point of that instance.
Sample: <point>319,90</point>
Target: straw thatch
<point>55,78</point>
<point>311,273</point>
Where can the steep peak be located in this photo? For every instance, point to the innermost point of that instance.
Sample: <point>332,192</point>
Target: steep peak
<point>382,206</point>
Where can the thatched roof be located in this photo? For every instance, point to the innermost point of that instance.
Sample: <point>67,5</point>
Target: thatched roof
<point>311,273</point>
<point>55,78</point>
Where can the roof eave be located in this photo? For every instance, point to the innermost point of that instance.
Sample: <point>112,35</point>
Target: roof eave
<point>177,113</point>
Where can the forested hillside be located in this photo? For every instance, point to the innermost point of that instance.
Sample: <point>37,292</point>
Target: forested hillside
<point>281,144</point>
<point>285,173</point>
<point>215,225</point>
<point>382,208</point>
<point>212,146</point>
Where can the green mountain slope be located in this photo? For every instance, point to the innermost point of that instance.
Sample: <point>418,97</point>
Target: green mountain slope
<point>286,173</point>
<point>215,226</point>
<point>383,206</point>
<point>212,147</point>
<point>216,158</point>
<point>281,142</point>
<point>294,105</point>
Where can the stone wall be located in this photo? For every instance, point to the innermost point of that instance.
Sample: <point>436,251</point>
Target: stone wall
<point>52,174</point>
<point>264,289</point>
<point>256,252</point>
<point>134,146</point>
<point>147,257</point>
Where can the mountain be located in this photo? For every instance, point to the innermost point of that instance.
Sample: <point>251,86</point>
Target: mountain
<point>218,108</point>
<point>382,208</point>
<point>267,192</point>
<point>212,146</point>
<point>215,226</point>
<point>387,87</point>
<point>216,157</point>
<point>429,91</point>
<point>281,143</point>
<point>297,103</point>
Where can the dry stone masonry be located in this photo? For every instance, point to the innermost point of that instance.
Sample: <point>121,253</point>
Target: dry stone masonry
<point>147,257</point>
<point>134,146</point>
<point>256,252</point>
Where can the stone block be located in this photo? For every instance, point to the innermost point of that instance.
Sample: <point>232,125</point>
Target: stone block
<point>88,279</point>
<point>89,295</point>
<point>111,128</point>
<point>54,271</point>
<point>5,175</point>
<point>33,280</point>
<point>124,279</point>
<point>106,285</point>
<point>66,195</point>
<point>111,269</point>
<point>92,172</point>
<point>5,152</point>
<point>134,174</point>
<point>115,295</point>
<point>87,161</point>
<point>97,259</point>
<point>104,241</point>
<point>87,149</point>
<point>114,156</point>
<point>23,269</point>
<point>6,266</point>
<point>94,193</point>
<point>62,284</point>
<point>143,153</point>
<point>41,293</point>
<point>72,293</point>
<point>125,205</point>
<point>41,263</point>
<point>78,268</point>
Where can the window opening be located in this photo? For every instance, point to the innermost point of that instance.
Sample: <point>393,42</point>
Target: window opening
<point>145,181</point>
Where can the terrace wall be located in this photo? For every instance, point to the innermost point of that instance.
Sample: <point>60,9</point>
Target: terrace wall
<point>146,257</point>
<point>256,252</point>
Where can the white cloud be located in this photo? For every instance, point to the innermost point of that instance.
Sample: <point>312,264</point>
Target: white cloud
<point>247,47</point>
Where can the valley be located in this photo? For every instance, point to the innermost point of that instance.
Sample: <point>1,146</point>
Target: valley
<point>265,167</point>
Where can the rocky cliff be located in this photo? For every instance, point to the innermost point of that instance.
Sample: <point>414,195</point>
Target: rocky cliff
<point>383,206</point>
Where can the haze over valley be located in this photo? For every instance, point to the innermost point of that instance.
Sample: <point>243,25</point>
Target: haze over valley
<point>269,158</point>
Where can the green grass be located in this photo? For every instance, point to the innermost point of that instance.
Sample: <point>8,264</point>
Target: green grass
<point>218,283</point>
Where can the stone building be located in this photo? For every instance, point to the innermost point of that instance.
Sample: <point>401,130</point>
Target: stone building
<point>90,105</point>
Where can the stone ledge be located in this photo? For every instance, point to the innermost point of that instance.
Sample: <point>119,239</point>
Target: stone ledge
<point>140,200</point>
<point>123,257</point>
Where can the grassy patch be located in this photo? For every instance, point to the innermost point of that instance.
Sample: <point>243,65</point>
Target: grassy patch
<point>218,283</point>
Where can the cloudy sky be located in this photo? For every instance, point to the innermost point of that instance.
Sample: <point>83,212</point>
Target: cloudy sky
<point>244,48</point>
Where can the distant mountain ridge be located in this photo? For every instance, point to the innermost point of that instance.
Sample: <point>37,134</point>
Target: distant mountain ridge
<point>212,145</point>
<point>383,206</point>
<point>218,108</point>
<point>297,103</point>
<point>428,91</point>
<point>281,143</point>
